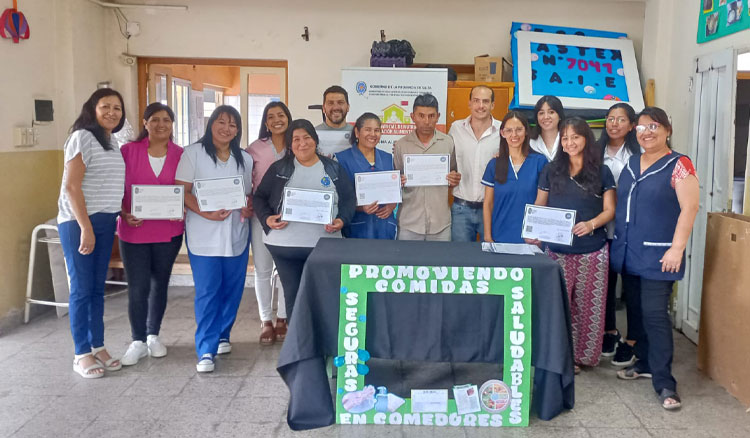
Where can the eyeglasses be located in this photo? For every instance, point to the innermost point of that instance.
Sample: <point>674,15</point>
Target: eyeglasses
<point>652,127</point>
<point>618,120</point>
<point>517,131</point>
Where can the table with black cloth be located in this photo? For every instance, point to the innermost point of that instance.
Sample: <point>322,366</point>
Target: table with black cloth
<point>443,330</point>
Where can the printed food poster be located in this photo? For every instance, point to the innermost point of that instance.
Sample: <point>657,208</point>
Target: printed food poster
<point>492,403</point>
<point>719,18</point>
<point>389,93</point>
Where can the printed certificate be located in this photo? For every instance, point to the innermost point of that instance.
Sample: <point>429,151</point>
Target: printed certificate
<point>220,193</point>
<point>426,169</point>
<point>383,187</point>
<point>311,206</point>
<point>157,201</point>
<point>552,225</point>
<point>429,400</point>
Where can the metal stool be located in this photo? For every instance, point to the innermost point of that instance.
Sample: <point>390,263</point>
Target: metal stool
<point>30,277</point>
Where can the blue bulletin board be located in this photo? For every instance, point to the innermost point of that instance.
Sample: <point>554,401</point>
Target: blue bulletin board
<point>583,72</point>
<point>570,71</point>
<point>718,18</point>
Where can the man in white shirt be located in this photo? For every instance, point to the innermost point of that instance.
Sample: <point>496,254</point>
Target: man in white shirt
<point>334,132</point>
<point>477,140</point>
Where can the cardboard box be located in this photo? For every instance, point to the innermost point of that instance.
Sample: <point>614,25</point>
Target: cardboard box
<point>723,346</point>
<point>488,68</point>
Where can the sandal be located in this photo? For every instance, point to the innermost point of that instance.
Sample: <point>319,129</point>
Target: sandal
<point>281,327</point>
<point>667,394</point>
<point>267,333</point>
<point>89,372</point>
<point>633,372</point>
<point>110,364</point>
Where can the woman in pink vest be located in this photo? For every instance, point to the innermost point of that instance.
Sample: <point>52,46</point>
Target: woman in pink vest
<point>148,247</point>
<point>268,148</point>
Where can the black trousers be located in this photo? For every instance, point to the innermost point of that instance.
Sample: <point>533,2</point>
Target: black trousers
<point>649,325</point>
<point>148,267</point>
<point>290,260</point>
<point>610,310</point>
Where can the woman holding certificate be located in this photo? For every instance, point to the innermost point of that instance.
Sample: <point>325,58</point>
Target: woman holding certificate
<point>510,181</point>
<point>658,200</point>
<point>89,203</point>
<point>148,245</point>
<point>217,176</point>
<point>577,181</point>
<point>301,198</point>
<point>374,220</point>
<point>267,149</point>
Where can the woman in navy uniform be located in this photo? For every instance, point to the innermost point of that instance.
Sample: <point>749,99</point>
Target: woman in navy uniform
<point>374,221</point>
<point>657,202</point>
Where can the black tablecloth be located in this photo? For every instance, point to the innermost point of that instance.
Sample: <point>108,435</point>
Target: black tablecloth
<point>313,329</point>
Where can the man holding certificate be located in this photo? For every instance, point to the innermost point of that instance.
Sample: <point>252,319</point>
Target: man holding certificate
<point>377,185</point>
<point>577,181</point>
<point>302,197</point>
<point>427,161</point>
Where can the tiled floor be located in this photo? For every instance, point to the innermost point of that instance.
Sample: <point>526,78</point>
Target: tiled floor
<point>40,396</point>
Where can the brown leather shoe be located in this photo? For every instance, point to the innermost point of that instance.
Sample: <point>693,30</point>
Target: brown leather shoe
<point>281,328</point>
<point>267,333</point>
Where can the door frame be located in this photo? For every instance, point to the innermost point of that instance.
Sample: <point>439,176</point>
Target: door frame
<point>145,62</point>
<point>720,188</point>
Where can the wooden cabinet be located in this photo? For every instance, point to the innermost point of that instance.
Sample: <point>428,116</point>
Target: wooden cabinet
<point>457,107</point>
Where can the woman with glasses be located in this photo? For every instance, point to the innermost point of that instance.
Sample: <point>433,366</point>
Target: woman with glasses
<point>510,181</point>
<point>545,138</point>
<point>658,198</point>
<point>618,144</point>
<point>373,221</point>
<point>577,180</point>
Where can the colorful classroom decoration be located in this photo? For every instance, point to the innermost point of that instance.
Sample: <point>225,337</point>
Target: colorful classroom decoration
<point>719,18</point>
<point>485,404</point>
<point>584,72</point>
<point>589,55</point>
<point>13,24</point>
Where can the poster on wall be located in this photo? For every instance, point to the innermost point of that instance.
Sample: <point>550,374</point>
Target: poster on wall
<point>719,18</point>
<point>490,403</point>
<point>389,93</point>
<point>557,30</point>
<point>584,72</point>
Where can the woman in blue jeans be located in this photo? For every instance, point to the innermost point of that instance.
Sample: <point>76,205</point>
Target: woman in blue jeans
<point>657,203</point>
<point>89,203</point>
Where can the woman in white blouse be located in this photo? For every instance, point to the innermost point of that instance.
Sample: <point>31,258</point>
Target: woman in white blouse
<point>90,201</point>
<point>217,241</point>
<point>545,138</point>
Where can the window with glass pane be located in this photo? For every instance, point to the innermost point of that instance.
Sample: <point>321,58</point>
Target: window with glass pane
<point>181,108</point>
<point>161,89</point>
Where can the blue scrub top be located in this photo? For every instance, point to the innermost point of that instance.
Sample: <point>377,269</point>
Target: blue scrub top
<point>511,198</point>
<point>363,225</point>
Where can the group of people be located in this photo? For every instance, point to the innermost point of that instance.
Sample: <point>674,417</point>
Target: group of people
<point>635,201</point>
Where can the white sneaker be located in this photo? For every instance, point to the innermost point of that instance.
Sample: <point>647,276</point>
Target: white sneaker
<point>206,364</point>
<point>224,347</point>
<point>136,351</point>
<point>155,347</point>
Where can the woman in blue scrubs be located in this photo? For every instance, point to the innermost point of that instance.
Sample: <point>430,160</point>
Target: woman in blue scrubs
<point>510,181</point>
<point>374,221</point>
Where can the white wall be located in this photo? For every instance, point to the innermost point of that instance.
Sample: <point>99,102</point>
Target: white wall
<point>669,50</point>
<point>62,61</point>
<point>342,32</point>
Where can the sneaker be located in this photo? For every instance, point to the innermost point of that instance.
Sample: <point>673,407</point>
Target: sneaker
<point>634,372</point>
<point>224,347</point>
<point>624,355</point>
<point>155,347</point>
<point>136,351</point>
<point>609,344</point>
<point>205,364</point>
